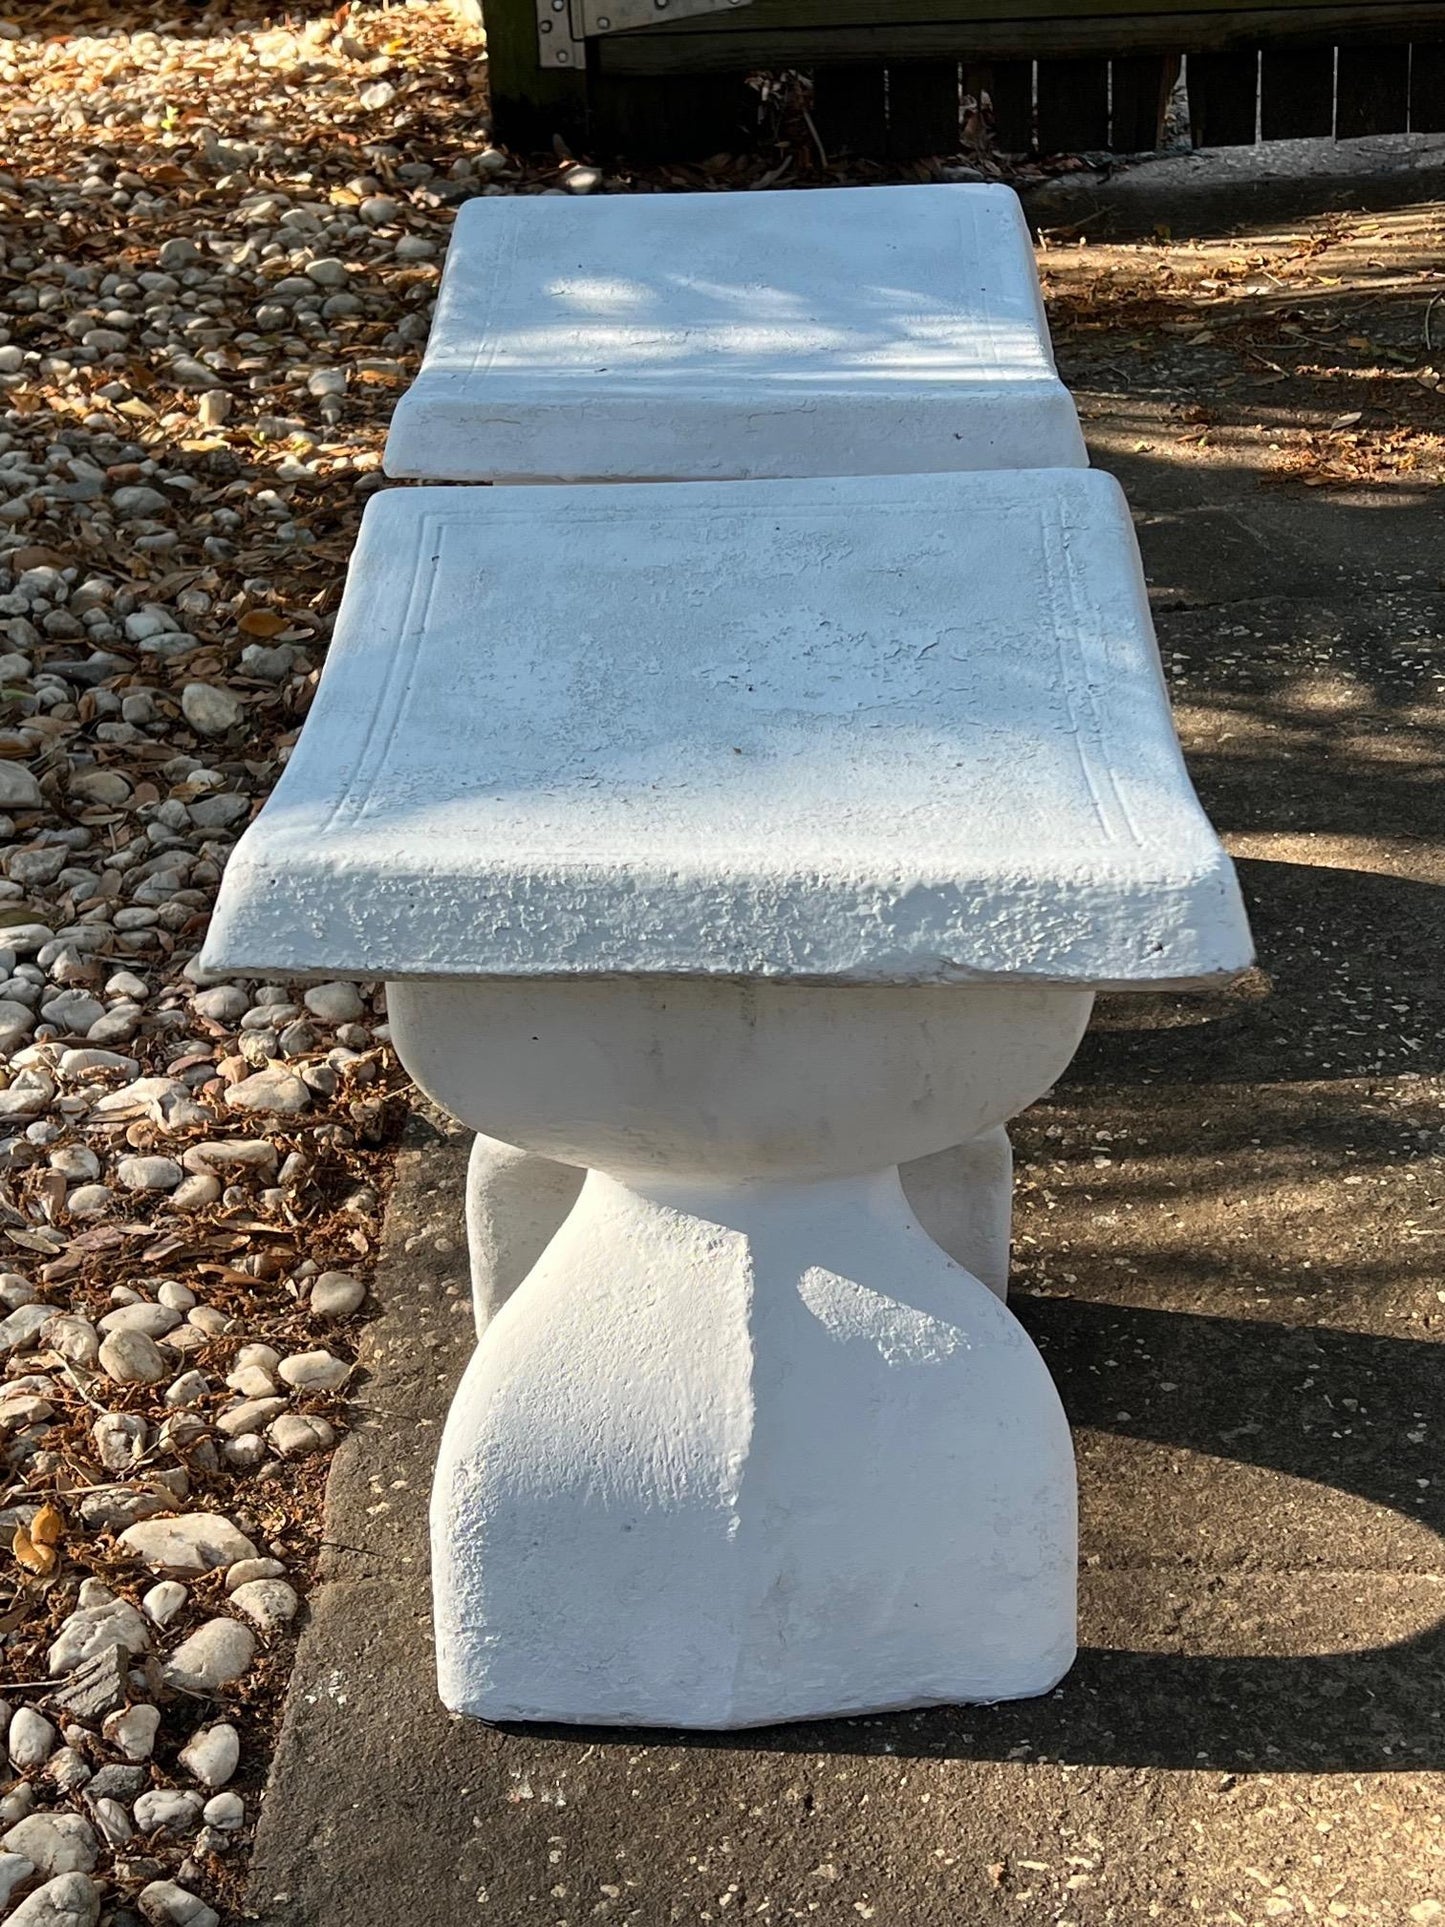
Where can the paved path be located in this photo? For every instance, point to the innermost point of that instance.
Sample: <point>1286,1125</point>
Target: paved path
<point>1230,1235</point>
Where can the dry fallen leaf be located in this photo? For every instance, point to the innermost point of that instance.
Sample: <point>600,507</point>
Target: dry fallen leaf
<point>35,1547</point>
<point>40,1560</point>
<point>262,622</point>
<point>47,1528</point>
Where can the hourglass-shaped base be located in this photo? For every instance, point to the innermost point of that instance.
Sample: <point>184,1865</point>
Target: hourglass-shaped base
<point>738,1453</point>
<point>516,1202</point>
<point>746,1444</point>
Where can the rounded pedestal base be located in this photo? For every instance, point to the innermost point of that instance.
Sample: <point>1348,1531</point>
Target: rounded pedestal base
<point>743,1453</point>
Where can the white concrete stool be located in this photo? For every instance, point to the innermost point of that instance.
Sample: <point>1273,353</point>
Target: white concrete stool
<point>733,336</point>
<point>735,845</point>
<point>723,337</point>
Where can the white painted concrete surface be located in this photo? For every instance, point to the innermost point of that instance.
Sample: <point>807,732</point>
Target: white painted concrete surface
<point>727,335</point>
<point>733,1457</point>
<point>517,1202</point>
<point>887,330</point>
<point>720,1080</point>
<point>738,845</point>
<point>746,1445</point>
<point>898,729</point>
<point>963,1198</point>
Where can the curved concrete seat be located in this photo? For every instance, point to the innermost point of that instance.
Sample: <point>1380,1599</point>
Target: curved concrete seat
<point>734,845</point>
<point>889,330</point>
<point>877,730</point>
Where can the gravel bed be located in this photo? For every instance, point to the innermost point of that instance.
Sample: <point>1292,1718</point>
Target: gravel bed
<point>219,243</point>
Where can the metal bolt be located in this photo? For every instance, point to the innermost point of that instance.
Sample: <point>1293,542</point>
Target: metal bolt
<point>563,57</point>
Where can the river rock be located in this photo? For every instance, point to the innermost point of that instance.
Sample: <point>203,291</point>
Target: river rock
<point>273,1089</point>
<point>173,1809</point>
<point>73,1337</point>
<point>315,1371</point>
<point>70,1900</point>
<point>245,1570</point>
<point>138,503</point>
<point>296,1435</point>
<point>267,1603</point>
<point>222,1003</point>
<point>210,711</point>
<point>194,1543</point>
<point>90,1200</point>
<point>23,1327</point>
<point>251,1415</point>
<point>31,1739</point>
<point>164,1904</point>
<point>225,1154</point>
<point>226,1811</point>
<point>336,1294</point>
<point>18,788</point>
<point>149,1173</point>
<point>54,1843</point>
<point>133,1732</point>
<point>336,1003</point>
<point>91,1628</point>
<point>111,1508</point>
<point>212,1754</point>
<point>217,1653</point>
<point>164,1600</point>
<point>14,1869</point>
<point>132,1358</point>
<point>154,1320</point>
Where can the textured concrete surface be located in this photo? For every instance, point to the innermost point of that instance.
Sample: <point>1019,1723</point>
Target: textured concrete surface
<point>1230,1223</point>
<point>715,336</point>
<point>1225,189</point>
<point>877,730</point>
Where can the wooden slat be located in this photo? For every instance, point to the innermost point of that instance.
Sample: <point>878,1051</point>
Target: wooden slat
<point>673,117</point>
<point>530,103</point>
<point>1021,37</point>
<point>1009,85</point>
<point>922,108</point>
<point>1372,91</point>
<point>1223,98</point>
<point>1073,106</point>
<point>1296,93</point>
<point>1139,90</point>
<point>1343,19</point>
<point>1427,87</point>
<point>848,108</point>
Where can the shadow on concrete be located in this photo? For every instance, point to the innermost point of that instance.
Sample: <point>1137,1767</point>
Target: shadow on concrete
<point>1221,190</point>
<point>1348,987</point>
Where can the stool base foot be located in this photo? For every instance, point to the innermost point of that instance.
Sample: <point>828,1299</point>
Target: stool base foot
<point>737,1454</point>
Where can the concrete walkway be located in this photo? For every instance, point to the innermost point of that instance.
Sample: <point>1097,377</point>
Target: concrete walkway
<point>1203,190</point>
<point>1229,1244</point>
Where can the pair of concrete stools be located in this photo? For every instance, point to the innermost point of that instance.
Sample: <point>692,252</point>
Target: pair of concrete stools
<point>734,841</point>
